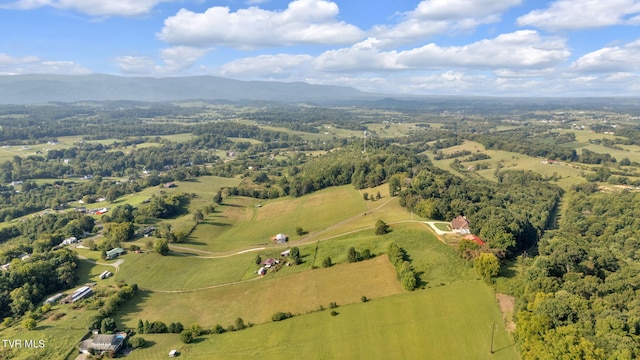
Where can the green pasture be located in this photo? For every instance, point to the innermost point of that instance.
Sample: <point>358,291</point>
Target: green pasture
<point>245,222</point>
<point>257,300</point>
<point>448,322</point>
<point>298,289</point>
<point>183,270</point>
<point>568,173</point>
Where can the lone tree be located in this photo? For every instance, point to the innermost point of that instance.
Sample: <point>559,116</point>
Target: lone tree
<point>217,198</point>
<point>198,216</point>
<point>487,266</point>
<point>186,336</point>
<point>295,255</point>
<point>381,227</point>
<point>353,255</point>
<point>327,262</point>
<point>161,246</point>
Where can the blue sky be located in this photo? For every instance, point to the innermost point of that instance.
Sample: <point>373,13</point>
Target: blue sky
<point>430,47</point>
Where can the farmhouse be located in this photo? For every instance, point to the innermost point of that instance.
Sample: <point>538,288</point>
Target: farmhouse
<point>460,225</point>
<point>114,253</point>
<point>102,343</point>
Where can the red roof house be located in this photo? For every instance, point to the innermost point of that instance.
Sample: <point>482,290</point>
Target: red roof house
<point>475,239</point>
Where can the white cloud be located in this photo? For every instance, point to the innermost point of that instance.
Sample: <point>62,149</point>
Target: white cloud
<point>433,17</point>
<point>179,58</point>
<point>280,66</point>
<point>303,22</point>
<point>361,57</point>
<point>520,49</point>
<point>583,14</point>
<point>135,65</point>
<point>461,9</point>
<point>610,59</point>
<point>523,49</point>
<point>10,65</point>
<point>91,7</point>
<point>175,61</point>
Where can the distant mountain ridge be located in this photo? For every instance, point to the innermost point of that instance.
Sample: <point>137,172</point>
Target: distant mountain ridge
<point>30,89</point>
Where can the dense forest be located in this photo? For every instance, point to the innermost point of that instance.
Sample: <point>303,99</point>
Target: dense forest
<point>581,294</point>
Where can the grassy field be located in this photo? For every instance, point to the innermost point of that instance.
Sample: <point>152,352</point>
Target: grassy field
<point>568,175</point>
<point>256,301</point>
<point>246,222</point>
<point>305,288</point>
<point>448,322</point>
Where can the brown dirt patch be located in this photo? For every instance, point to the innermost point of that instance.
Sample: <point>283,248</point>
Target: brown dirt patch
<point>507,305</point>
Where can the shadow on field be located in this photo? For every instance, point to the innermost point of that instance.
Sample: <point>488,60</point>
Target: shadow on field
<point>508,272</point>
<point>193,242</point>
<point>214,223</point>
<point>133,306</point>
<point>420,283</point>
<point>180,253</point>
<point>504,348</point>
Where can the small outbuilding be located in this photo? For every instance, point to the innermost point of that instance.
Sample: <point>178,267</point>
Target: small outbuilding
<point>280,238</point>
<point>114,253</point>
<point>173,353</point>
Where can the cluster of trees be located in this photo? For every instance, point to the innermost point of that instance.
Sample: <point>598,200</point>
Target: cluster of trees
<point>41,233</point>
<point>354,255</point>
<point>406,273</point>
<point>158,327</point>
<point>107,306</point>
<point>522,141</point>
<point>510,215</point>
<point>580,294</point>
<point>28,281</point>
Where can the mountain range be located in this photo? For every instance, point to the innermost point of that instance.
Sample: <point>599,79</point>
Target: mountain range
<point>30,89</point>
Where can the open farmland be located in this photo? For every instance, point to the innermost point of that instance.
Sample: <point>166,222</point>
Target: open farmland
<point>420,325</point>
<point>248,223</point>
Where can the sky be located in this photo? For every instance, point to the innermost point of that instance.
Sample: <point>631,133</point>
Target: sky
<point>429,47</point>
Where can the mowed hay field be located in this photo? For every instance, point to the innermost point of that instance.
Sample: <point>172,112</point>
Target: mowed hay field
<point>448,322</point>
<point>258,299</point>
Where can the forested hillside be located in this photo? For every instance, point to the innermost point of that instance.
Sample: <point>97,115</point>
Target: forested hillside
<point>581,297</point>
